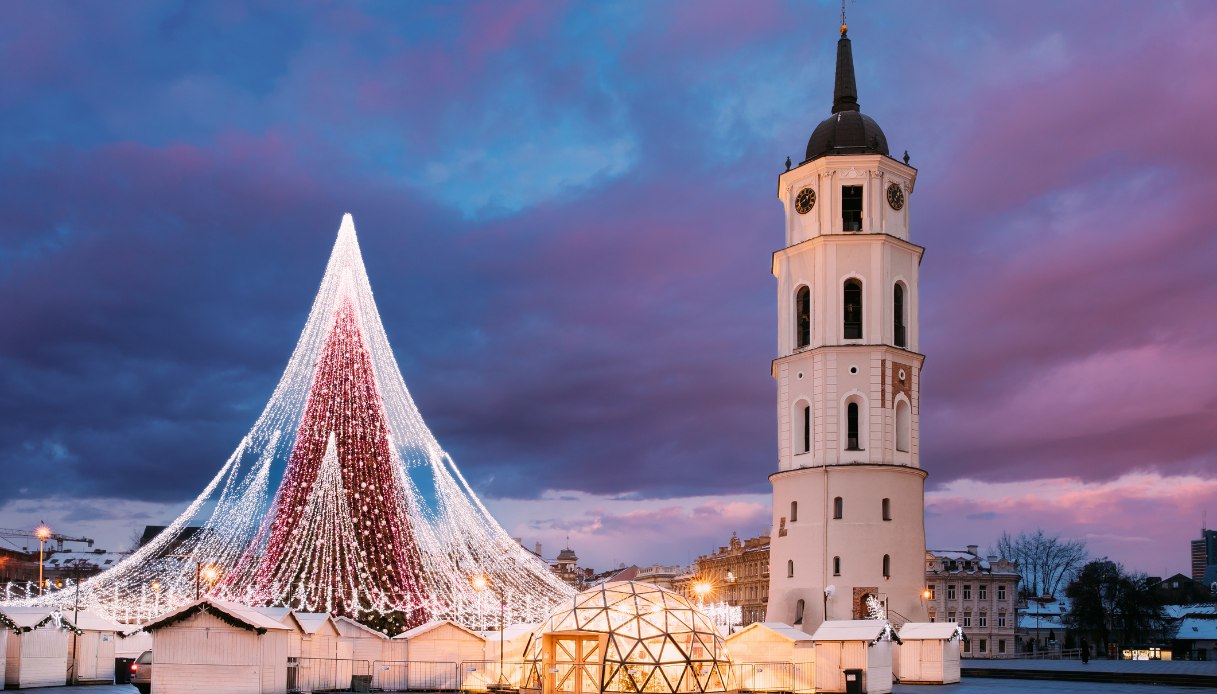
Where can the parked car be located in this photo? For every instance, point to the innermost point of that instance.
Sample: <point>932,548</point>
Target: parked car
<point>141,672</point>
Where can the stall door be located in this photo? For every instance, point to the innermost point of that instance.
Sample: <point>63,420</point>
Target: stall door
<point>576,666</point>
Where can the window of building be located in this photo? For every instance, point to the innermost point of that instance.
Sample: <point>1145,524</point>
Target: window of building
<point>887,566</point>
<point>984,646</point>
<point>836,566</point>
<point>851,416</point>
<point>798,612</point>
<point>802,302</point>
<point>1001,591</point>
<point>852,321</point>
<point>1001,619</point>
<point>851,208</point>
<point>967,591</point>
<point>805,433</point>
<point>838,508</point>
<point>789,568</point>
<point>950,591</point>
<point>887,509</point>
<point>1001,645</point>
<point>904,425</point>
<point>982,619</point>
<point>794,511</point>
<point>982,592</point>
<point>931,590</point>
<point>967,619</point>
<point>950,616</point>
<point>932,616</point>
<point>898,315</point>
<point>967,646</point>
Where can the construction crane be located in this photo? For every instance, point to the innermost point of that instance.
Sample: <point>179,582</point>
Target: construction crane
<point>58,538</point>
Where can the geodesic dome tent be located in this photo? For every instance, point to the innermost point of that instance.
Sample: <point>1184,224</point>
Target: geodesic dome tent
<point>626,637</point>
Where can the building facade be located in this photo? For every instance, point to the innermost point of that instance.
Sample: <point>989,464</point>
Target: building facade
<point>1204,557</point>
<point>848,496</point>
<point>737,574</point>
<point>979,594</point>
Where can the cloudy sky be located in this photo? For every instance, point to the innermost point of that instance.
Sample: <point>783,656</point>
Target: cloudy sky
<point>567,210</point>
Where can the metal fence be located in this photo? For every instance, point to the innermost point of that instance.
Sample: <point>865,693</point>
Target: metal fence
<point>773,677</point>
<point>484,675</point>
<point>306,675</point>
<point>415,676</point>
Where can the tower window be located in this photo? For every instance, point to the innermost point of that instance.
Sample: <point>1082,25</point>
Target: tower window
<point>903,426</point>
<point>836,566</point>
<point>789,568</point>
<point>806,428</point>
<point>887,566</point>
<point>851,416</point>
<point>887,509</point>
<point>802,304</point>
<point>838,508</point>
<point>794,511</point>
<point>851,208</point>
<point>852,316</point>
<point>898,315</point>
<point>798,612</point>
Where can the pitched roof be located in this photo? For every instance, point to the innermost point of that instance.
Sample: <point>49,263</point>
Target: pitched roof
<point>26,617</point>
<point>786,631</point>
<point>424,628</point>
<point>91,621</point>
<point>310,622</point>
<point>850,630</point>
<point>349,627</point>
<point>928,631</point>
<point>1197,629</point>
<point>245,616</point>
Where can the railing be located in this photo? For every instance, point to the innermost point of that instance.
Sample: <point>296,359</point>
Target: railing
<point>323,674</point>
<point>1049,654</point>
<point>415,676</point>
<point>484,675</point>
<point>896,619</point>
<point>773,677</point>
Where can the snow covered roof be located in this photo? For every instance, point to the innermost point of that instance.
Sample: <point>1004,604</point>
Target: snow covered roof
<point>279,614</point>
<point>1046,621</point>
<point>1197,629</point>
<point>310,622</point>
<point>849,630</point>
<point>511,631</point>
<point>349,627</point>
<point>1181,611</point>
<point>91,621</point>
<point>424,628</point>
<point>927,631</point>
<point>26,617</point>
<point>790,633</point>
<point>245,615</point>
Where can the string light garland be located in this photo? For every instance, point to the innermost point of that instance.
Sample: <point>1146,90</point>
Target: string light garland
<point>339,499</point>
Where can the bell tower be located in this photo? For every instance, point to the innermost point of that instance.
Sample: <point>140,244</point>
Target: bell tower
<point>848,496</point>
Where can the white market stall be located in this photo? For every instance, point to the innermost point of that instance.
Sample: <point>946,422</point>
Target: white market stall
<point>863,645</point>
<point>92,651</point>
<point>509,645</point>
<point>366,643</point>
<point>36,653</point>
<point>928,653</point>
<point>434,652</point>
<point>772,656</point>
<point>218,646</point>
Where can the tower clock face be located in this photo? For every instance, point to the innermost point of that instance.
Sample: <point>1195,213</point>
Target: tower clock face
<point>895,196</point>
<point>804,201</point>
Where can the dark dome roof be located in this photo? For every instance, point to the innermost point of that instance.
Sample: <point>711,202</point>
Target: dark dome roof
<point>846,132</point>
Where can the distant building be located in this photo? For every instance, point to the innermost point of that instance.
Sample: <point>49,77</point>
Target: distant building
<point>738,574</point>
<point>1179,590</point>
<point>979,594</point>
<point>566,567</point>
<point>1204,557</point>
<point>63,566</point>
<point>17,567</point>
<point>662,576</point>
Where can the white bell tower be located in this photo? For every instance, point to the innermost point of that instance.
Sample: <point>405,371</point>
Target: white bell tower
<point>848,496</point>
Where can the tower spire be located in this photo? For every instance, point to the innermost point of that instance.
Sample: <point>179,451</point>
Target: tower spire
<point>845,91</point>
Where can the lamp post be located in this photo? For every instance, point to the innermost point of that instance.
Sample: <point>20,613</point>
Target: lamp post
<point>481,583</point>
<point>209,572</point>
<point>43,534</point>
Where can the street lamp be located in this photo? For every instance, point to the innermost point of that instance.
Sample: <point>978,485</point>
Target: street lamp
<point>43,534</point>
<point>481,583</point>
<point>209,573</point>
<point>702,589</point>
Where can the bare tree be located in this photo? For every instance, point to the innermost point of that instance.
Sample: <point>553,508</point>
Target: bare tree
<point>1046,562</point>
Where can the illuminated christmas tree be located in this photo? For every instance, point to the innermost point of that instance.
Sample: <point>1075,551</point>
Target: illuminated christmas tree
<point>339,499</point>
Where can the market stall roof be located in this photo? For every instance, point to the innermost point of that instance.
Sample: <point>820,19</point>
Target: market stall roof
<point>239,615</point>
<point>850,630</point>
<point>928,631</point>
<point>791,633</point>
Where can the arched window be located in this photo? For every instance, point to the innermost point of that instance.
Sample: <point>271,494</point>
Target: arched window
<point>851,417</point>
<point>903,425</point>
<point>798,612</point>
<point>898,315</point>
<point>802,427</point>
<point>838,508</point>
<point>789,568</point>
<point>852,315</point>
<point>794,511</point>
<point>836,566</point>
<point>887,566</point>
<point>887,509</point>
<point>802,311</point>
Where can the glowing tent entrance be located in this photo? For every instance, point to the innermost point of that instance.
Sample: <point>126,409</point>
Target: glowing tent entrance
<point>339,499</point>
